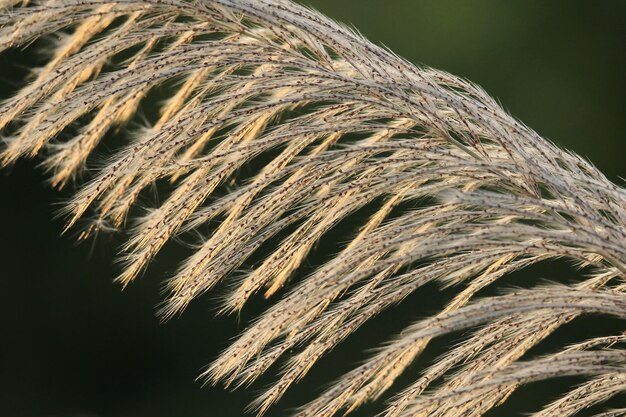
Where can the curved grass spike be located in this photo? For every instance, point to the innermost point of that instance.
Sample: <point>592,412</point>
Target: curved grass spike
<point>463,194</point>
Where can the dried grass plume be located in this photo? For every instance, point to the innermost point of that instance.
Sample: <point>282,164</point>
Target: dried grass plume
<point>325,123</point>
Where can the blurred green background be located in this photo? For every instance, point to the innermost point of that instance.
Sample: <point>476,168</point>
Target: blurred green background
<point>74,345</point>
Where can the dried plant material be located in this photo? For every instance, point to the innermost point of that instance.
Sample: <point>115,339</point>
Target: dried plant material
<point>463,193</point>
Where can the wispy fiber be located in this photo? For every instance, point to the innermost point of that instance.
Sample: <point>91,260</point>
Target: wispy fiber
<point>329,124</point>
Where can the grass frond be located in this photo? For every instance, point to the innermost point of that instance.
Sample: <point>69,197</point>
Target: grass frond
<point>272,126</point>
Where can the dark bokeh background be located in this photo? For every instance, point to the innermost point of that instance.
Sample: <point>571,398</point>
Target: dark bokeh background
<point>72,344</point>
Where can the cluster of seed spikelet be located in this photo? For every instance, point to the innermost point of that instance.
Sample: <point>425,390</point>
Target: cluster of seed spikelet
<point>464,193</point>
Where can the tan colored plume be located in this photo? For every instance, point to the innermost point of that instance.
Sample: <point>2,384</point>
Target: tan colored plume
<point>275,124</point>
